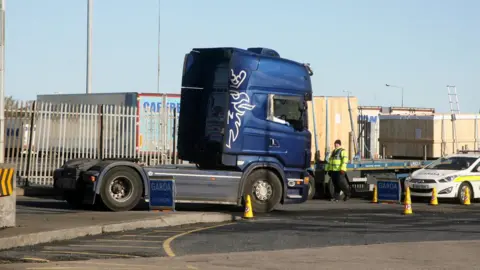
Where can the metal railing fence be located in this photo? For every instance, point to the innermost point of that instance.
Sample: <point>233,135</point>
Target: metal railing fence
<point>41,136</point>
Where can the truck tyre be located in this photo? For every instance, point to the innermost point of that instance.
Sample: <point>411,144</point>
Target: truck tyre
<point>461,192</point>
<point>265,190</point>
<point>121,189</point>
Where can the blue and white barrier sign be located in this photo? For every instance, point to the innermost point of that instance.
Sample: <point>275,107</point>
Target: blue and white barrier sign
<point>389,190</point>
<point>162,194</point>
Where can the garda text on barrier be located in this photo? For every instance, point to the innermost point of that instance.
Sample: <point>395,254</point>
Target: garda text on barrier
<point>162,194</point>
<point>389,190</point>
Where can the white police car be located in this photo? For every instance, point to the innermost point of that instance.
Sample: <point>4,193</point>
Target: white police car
<point>449,175</point>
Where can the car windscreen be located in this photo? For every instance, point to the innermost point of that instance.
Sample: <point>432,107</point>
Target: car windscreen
<point>452,163</point>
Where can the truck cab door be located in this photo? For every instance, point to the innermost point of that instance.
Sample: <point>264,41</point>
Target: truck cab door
<point>287,134</point>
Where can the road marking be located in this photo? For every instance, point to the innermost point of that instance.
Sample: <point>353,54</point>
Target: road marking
<point>35,259</point>
<point>55,268</point>
<point>144,235</point>
<point>166,244</point>
<point>191,267</point>
<point>73,267</point>
<point>115,264</point>
<point>169,231</point>
<point>89,253</point>
<point>124,240</point>
<point>110,246</point>
<point>263,220</point>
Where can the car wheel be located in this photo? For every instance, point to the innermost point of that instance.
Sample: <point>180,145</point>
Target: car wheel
<point>461,192</point>
<point>265,190</point>
<point>121,189</point>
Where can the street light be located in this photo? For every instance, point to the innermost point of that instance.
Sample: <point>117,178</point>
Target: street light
<point>158,50</point>
<point>2,81</point>
<point>394,86</point>
<point>89,46</point>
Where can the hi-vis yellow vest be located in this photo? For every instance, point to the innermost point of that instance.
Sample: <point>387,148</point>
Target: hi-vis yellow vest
<point>338,161</point>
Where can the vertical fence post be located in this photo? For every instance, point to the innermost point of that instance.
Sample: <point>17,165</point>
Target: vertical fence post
<point>100,143</point>
<point>30,139</point>
<point>174,147</point>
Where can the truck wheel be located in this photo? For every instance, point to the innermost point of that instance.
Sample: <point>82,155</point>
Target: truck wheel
<point>264,189</point>
<point>121,189</point>
<point>311,188</point>
<point>461,192</point>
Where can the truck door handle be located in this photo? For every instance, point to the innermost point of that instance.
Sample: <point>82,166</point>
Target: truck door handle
<point>274,143</point>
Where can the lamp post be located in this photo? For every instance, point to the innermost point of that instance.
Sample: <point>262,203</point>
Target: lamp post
<point>158,50</point>
<point>89,46</point>
<point>394,86</point>
<point>2,81</point>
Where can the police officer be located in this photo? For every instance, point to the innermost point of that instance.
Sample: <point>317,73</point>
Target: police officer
<point>336,168</point>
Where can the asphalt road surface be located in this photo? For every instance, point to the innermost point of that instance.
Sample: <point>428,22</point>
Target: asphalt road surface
<point>313,224</point>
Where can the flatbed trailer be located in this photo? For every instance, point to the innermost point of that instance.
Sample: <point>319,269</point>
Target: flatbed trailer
<point>363,174</point>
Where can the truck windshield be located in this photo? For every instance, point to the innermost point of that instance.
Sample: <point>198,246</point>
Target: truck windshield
<point>451,163</point>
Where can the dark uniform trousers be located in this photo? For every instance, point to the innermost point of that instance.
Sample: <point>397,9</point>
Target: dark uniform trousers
<point>340,183</point>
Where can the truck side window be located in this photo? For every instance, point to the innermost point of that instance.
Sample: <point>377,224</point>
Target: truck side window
<point>287,110</point>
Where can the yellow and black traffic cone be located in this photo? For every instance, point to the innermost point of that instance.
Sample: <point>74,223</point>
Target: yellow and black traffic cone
<point>248,208</point>
<point>407,209</point>
<point>434,200</point>
<point>466,200</point>
<point>375,194</point>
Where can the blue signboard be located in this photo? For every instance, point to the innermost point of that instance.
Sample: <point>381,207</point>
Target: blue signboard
<point>162,194</point>
<point>389,190</point>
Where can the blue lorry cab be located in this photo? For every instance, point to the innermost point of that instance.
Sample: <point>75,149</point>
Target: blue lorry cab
<point>242,106</point>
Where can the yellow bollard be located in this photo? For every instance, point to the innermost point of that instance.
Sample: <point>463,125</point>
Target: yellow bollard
<point>248,208</point>
<point>466,200</point>
<point>407,209</point>
<point>434,200</point>
<point>375,194</point>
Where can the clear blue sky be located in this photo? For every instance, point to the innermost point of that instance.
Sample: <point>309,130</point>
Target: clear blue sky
<point>356,45</point>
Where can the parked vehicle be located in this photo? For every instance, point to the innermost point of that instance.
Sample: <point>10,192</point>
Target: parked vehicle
<point>449,175</point>
<point>244,126</point>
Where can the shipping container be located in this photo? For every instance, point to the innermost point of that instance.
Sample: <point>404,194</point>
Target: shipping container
<point>149,132</point>
<point>369,126</point>
<point>427,136</point>
<point>332,122</point>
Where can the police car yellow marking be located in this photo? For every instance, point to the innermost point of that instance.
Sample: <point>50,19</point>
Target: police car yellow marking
<point>467,178</point>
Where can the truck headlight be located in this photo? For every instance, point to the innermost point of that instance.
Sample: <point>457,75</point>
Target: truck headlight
<point>448,179</point>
